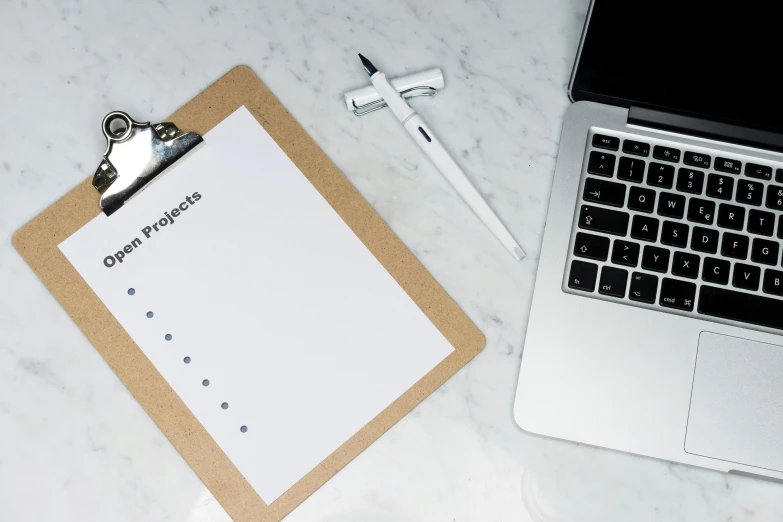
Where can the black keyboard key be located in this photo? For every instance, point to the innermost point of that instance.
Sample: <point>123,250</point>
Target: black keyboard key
<point>625,253</point>
<point>666,153</point>
<point>691,181</point>
<point>674,234</point>
<point>601,141</point>
<point>728,165</point>
<point>603,220</point>
<point>697,159</point>
<point>641,199</point>
<point>740,306</point>
<point>775,197</point>
<point>613,281</point>
<point>780,226</point>
<point>749,192</point>
<point>720,186</point>
<point>677,294</point>
<point>655,259</point>
<point>773,282</point>
<point>734,246</point>
<point>671,205</point>
<point>765,251</point>
<point>731,216</point>
<point>701,211</point>
<point>644,228</point>
<point>591,246</point>
<point>643,287</point>
<point>761,222</point>
<point>753,170</point>
<point>636,147</point>
<point>660,175</point>
<point>779,175</point>
<point>606,192</point>
<point>582,275</point>
<point>631,169</point>
<point>716,270</point>
<point>601,163</point>
<point>704,240</point>
<point>746,276</point>
<point>685,265</point>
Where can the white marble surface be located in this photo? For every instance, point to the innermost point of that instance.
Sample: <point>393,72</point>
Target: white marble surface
<point>75,446</point>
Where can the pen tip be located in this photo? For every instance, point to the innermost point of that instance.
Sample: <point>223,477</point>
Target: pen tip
<point>368,66</point>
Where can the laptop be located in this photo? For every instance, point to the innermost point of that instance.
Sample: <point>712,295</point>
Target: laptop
<point>657,317</point>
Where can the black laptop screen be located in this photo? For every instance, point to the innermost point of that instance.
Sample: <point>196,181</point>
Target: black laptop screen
<point>720,60</point>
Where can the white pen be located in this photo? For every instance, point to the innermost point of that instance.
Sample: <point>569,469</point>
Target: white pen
<point>424,137</point>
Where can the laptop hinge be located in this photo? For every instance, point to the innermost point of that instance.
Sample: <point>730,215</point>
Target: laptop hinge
<point>706,128</point>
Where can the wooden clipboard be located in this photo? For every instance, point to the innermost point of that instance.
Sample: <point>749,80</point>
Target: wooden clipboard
<point>38,241</point>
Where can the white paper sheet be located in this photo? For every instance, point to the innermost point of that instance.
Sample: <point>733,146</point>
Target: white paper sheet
<point>296,326</point>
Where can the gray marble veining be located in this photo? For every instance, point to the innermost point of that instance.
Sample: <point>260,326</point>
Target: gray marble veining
<point>75,446</point>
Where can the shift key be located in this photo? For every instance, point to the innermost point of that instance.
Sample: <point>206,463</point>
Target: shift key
<point>603,220</point>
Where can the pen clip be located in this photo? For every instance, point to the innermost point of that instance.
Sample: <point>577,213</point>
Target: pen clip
<point>367,108</point>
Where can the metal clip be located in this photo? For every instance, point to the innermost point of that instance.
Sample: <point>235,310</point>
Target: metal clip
<point>367,108</point>
<point>135,154</point>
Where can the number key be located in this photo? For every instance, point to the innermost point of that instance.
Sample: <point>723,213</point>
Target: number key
<point>775,197</point>
<point>630,169</point>
<point>720,186</point>
<point>749,192</point>
<point>660,175</point>
<point>689,180</point>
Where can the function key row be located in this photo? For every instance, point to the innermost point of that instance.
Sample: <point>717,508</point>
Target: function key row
<point>693,159</point>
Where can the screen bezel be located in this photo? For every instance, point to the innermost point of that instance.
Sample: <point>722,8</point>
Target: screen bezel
<point>575,94</point>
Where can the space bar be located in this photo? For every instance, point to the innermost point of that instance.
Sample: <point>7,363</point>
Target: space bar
<point>738,306</point>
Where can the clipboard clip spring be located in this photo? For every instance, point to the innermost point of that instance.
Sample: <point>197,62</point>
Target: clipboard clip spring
<point>367,108</point>
<point>136,153</point>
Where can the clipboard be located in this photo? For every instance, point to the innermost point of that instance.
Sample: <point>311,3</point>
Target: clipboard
<point>38,241</point>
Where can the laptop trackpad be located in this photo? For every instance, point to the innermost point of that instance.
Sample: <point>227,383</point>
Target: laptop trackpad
<point>736,411</point>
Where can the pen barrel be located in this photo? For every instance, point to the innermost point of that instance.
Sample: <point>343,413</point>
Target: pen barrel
<point>392,98</point>
<point>440,157</point>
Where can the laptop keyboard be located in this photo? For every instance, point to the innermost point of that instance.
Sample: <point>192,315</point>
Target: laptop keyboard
<point>686,231</point>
